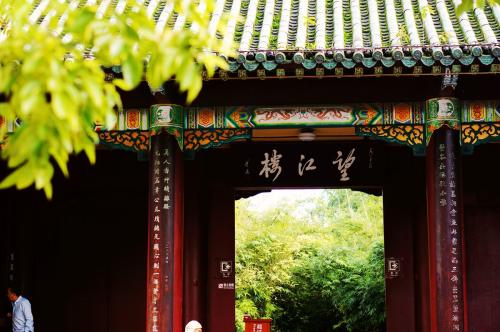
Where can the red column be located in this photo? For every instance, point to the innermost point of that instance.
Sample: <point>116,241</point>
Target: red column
<point>178,240</point>
<point>221,247</point>
<point>165,227</point>
<point>195,243</point>
<point>444,206</point>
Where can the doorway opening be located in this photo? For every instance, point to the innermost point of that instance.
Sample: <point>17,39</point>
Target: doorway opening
<point>311,260</point>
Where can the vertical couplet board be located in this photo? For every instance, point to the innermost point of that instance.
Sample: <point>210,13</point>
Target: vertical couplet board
<point>445,233</point>
<point>159,316</point>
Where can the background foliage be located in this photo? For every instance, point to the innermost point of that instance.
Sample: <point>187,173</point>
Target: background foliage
<point>314,264</point>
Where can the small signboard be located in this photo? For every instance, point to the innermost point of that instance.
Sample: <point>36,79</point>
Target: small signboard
<point>225,268</point>
<point>225,286</point>
<point>393,267</point>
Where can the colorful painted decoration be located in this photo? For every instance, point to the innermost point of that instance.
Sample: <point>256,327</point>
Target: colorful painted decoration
<point>480,111</point>
<point>203,139</point>
<point>168,116</point>
<point>133,118</point>
<point>412,136</point>
<point>320,116</point>
<point>136,141</point>
<point>296,117</point>
<point>441,112</point>
<point>475,134</point>
<point>411,124</point>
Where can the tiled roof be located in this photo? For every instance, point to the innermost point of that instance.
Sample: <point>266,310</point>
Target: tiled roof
<point>346,32</point>
<point>361,28</point>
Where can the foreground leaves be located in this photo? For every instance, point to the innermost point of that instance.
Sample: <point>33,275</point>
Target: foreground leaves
<point>53,81</point>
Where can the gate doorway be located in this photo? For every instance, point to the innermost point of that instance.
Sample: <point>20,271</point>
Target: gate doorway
<point>311,260</point>
<point>219,177</point>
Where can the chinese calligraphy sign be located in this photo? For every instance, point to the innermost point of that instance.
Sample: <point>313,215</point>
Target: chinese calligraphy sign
<point>320,164</point>
<point>344,165</point>
<point>161,234</point>
<point>271,165</point>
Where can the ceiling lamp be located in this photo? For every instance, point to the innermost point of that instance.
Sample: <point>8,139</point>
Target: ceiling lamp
<point>307,134</point>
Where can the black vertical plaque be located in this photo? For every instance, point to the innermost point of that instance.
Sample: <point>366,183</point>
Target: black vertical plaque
<point>161,235</point>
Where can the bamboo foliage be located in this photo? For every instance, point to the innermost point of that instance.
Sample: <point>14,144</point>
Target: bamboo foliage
<point>311,263</point>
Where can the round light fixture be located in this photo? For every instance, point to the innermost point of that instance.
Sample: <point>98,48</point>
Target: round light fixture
<point>307,135</point>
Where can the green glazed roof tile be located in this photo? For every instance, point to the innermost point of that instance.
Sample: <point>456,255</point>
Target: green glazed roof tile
<point>333,32</point>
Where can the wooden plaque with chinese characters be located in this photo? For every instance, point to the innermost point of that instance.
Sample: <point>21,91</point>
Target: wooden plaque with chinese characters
<point>311,164</point>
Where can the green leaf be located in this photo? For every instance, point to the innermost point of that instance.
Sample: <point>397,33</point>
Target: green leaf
<point>464,6</point>
<point>55,83</point>
<point>94,89</point>
<point>132,69</point>
<point>61,104</point>
<point>90,153</point>
<point>82,21</point>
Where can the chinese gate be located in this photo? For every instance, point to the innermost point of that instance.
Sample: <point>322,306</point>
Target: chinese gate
<point>157,235</point>
<point>404,95</point>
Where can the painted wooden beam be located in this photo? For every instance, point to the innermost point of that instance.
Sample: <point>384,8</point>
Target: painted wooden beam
<point>207,127</point>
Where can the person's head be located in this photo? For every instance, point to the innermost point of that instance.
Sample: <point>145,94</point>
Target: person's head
<point>13,293</point>
<point>193,326</point>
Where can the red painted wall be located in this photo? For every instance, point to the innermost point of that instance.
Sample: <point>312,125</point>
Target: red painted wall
<point>221,247</point>
<point>404,188</point>
<point>195,241</point>
<point>482,234</point>
<point>82,258</point>
<point>84,253</point>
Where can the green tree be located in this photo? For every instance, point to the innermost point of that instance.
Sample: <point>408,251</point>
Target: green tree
<point>53,61</point>
<point>466,5</point>
<point>326,293</point>
<point>312,264</point>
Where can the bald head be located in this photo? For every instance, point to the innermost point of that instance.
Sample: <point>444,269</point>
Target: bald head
<point>193,326</point>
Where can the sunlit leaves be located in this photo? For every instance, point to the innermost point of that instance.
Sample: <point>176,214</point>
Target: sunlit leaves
<point>307,263</point>
<point>467,5</point>
<point>52,75</point>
